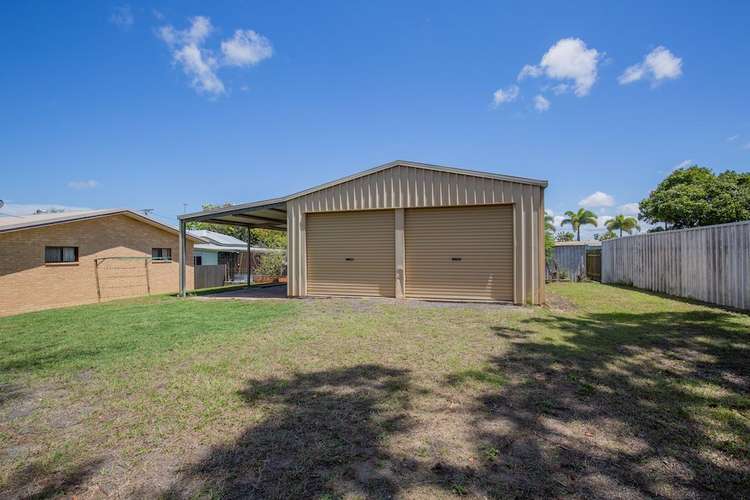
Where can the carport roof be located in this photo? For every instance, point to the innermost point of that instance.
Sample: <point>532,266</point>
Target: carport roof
<point>271,213</point>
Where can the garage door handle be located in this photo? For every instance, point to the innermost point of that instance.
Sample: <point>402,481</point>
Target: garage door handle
<point>349,259</point>
<point>456,259</point>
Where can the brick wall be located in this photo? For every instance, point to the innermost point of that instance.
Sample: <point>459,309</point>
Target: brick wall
<point>28,284</point>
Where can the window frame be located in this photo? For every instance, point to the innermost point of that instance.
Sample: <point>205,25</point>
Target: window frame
<point>61,249</point>
<point>161,257</point>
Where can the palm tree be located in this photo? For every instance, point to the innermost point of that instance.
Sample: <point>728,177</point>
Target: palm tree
<point>549,225</point>
<point>623,223</point>
<point>578,219</point>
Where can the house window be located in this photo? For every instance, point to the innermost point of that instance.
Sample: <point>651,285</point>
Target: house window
<point>161,254</point>
<point>54,255</point>
<point>198,260</point>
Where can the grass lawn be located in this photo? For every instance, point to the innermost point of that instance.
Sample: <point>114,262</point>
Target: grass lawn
<point>607,392</point>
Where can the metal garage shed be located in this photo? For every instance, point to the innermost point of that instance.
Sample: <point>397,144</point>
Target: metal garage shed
<point>408,230</point>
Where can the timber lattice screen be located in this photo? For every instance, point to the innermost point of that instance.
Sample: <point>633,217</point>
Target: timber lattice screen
<point>710,263</point>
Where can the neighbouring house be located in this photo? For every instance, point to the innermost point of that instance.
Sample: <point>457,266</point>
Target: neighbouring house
<point>407,229</point>
<point>572,259</point>
<point>225,250</point>
<point>78,257</point>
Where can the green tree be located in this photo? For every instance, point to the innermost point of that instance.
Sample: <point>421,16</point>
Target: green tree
<point>609,235</point>
<point>577,219</point>
<point>623,223</point>
<point>259,237</point>
<point>549,235</point>
<point>564,236</point>
<point>695,196</point>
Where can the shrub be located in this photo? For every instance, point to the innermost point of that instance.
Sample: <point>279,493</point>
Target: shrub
<point>271,264</point>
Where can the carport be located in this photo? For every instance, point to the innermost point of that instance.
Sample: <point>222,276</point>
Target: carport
<point>407,230</point>
<point>266,214</point>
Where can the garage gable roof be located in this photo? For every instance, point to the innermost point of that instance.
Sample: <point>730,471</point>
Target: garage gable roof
<point>425,166</point>
<point>281,201</point>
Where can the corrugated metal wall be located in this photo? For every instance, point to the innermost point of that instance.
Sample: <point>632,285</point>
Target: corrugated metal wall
<point>709,263</point>
<point>410,187</point>
<point>571,258</point>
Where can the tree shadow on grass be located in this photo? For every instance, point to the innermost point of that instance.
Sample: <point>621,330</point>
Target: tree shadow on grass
<point>617,405</point>
<point>37,481</point>
<point>325,435</point>
<point>624,405</point>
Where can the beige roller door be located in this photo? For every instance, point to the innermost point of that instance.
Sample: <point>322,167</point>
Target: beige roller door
<point>463,253</point>
<point>351,253</point>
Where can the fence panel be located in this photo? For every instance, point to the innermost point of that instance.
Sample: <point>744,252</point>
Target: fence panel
<point>209,276</point>
<point>708,263</point>
<point>571,260</point>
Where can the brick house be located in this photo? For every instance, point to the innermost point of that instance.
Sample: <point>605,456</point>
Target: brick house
<point>70,258</point>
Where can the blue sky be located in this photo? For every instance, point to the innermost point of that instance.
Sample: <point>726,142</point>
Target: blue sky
<point>169,103</point>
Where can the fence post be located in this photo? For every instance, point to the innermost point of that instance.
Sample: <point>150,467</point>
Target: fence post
<point>148,281</point>
<point>98,286</point>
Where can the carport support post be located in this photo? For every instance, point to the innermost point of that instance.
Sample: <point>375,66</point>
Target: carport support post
<point>249,258</point>
<point>183,257</point>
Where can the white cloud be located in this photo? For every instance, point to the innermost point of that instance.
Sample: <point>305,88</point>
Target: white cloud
<point>541,104</point>
<point>733,138</point>
<point>508,94</point>
<point>568,59</point>
<point>683,164</point>
<point>197,62</point>
<point>597,199</point>
<point>89,184</point>
<point>246,48</point>
<point>122,17</point>
<point>659,64</point>
<point>196,34</point>
<point>746,146</point>
<point>529,70</point>
<point>629,209</point>
<point>201,66</point>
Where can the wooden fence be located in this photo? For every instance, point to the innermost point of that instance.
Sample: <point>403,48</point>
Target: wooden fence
<point>209,276</point>
<point>710,264</point>
<point>594,264</point>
